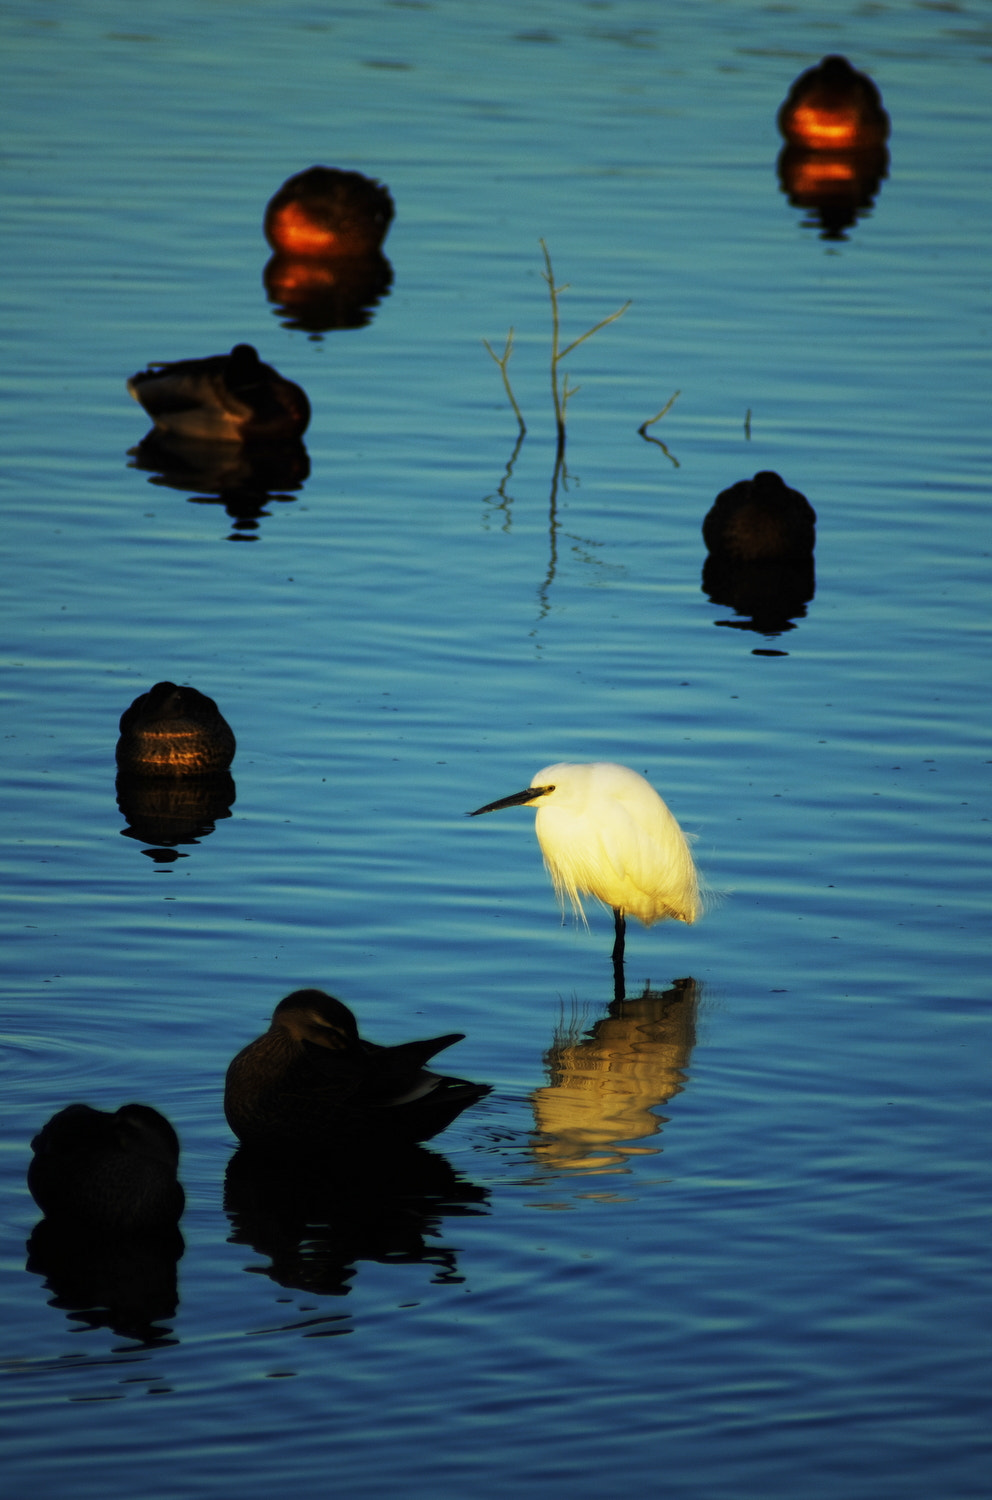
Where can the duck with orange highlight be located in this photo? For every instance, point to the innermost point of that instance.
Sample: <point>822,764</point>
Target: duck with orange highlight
<point>225,398</point>
<point>324,213</point>
<point>833,107</point>
<point>174,731</point>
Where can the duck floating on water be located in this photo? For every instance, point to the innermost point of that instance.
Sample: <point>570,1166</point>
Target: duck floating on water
<point>325,213</point>
<point>174,731</point>
<point>311,1084</point>
<point>833,107</point>
<point>225,398</point>
<point>761,520</point>
<point>116,1172</point>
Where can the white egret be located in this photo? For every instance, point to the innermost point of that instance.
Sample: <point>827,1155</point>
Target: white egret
<point>605,832</point>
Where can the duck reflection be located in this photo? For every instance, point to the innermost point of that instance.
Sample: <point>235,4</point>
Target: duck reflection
<point>836,187</point>
<point>316,1221</point>
<point>126,1283</point>
<point>245,480</point>
<point>760,535</point>
<point>835,157</point>
<point>173,810</point>
<point>316,296</point>
<point>606,1083</point>
<point>326,227</point>
<point>109,1244</point>
<point>173,784</point>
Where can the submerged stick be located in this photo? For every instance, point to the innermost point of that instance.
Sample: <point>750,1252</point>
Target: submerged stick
<point>643,429</point>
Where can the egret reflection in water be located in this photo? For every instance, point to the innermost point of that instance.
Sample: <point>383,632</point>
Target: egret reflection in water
<point>605,1084</point>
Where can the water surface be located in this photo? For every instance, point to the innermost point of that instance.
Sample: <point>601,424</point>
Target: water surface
<point>734,1241</point>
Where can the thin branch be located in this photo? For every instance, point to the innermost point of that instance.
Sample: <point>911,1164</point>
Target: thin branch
<point>643,429</point>
<point>502,362</point>
<point>561,397</point>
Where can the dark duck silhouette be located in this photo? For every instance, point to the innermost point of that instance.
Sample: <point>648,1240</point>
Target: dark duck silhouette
<point>311,1084</point>
<point>174,731</point>
<point>109,1172</point>
<point>229,398</point>
<point>324,213</point>
<point>760,520</point>
<point>833,107</point>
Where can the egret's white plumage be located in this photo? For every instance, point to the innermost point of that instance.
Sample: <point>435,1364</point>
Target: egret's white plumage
<point>605,832</point>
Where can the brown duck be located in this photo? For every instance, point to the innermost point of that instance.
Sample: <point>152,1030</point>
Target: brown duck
<point>833,107</point>
<point>761,520</point>
<point>311,1083</point>
<point>116,1172</point>
<point>226,398</point>
<point>326,213</point>
<point>174,731</point>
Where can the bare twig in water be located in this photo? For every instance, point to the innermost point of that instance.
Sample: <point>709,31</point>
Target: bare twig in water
<point>502,362</point>
<point>747,425</point>
<point>643,429</point>
<point>562,394</point>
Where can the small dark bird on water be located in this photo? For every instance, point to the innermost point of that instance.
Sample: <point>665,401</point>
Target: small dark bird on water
<point>310,1084</point>
<point>174,731</point>
<point>833,107</point>
<point>761,520</point>
<point>228,398</point>
<point>114,1172</point>
<point>328,213</point>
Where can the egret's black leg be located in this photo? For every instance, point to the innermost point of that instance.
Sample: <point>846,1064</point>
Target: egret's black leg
<point>620,927</point>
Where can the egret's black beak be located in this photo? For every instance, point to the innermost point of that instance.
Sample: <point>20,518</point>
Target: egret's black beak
<point>519,799</point>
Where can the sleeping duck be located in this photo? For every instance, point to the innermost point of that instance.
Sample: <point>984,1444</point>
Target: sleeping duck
<point>832,107</point>
<point>174,731</point>
<point>326,213</point>
<point>115,1172</point>
<point>310,1083</point>
<point>760,520</point>
<point>225,398</point>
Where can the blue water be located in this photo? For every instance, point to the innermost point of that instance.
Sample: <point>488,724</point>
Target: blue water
<point>747,1254</point>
